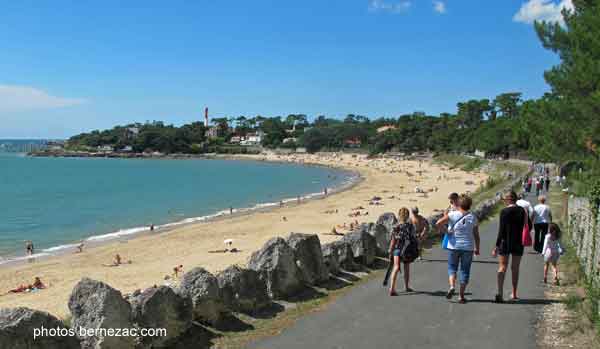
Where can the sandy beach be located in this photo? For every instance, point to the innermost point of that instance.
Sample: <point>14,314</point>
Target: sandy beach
<point>155,254</point>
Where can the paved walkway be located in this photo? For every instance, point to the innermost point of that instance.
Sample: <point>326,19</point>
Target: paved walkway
<point>367,318</point>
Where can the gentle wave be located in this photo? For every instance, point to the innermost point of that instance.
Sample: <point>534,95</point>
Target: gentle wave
<point>56,250</point>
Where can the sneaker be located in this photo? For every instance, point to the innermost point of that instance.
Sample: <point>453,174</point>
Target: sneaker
<point>498,299</point>
<point>450,293</point>
<point>393,294</point>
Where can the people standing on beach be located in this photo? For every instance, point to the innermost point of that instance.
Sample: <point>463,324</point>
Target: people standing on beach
<point>509,243</point>
<point>29,250</point>
<point>464,228</point>
<point>421,227</point>
<point>542,216</point>
<point>230,209</point>
<point>151,227</point>
<point>404,248</point>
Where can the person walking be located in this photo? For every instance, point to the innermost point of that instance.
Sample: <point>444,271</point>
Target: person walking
<point>547,182</point>
<point>542,216</point>
<point>552,251</point>
<point>538,186</point>
<point>404,248</point>
<point>421,227</point>
<point>464,228</point>
<point>509,243</point>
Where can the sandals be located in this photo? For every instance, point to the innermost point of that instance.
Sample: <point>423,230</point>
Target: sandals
<point>408,289</point>
<point>450,293</point>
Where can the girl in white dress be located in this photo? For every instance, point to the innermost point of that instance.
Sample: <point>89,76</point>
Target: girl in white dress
<point>552,251</point>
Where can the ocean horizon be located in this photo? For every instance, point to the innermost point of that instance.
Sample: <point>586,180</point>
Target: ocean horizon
<point>58,202</point>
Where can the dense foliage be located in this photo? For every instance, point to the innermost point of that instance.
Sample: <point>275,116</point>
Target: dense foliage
<point>561,126</point>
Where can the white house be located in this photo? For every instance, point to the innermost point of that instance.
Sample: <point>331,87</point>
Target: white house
<point>253,138</point>
<point>106,148</point>
<point>212,132</point>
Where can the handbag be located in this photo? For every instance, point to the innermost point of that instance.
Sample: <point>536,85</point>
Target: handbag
<point>526,236</point>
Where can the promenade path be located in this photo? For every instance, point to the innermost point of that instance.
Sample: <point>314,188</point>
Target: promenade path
<point>366,317</point>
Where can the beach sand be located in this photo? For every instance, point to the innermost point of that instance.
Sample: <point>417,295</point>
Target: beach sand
<point>155,254</point>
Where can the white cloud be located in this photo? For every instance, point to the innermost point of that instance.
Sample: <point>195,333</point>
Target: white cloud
<point>542,10</point>
<point>386,6</point>
<point>22,98</point>
<point>439,6</point>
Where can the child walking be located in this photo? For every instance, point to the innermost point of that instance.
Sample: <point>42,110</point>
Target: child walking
<point>552,251</point>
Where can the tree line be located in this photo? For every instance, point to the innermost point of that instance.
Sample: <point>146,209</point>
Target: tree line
<point>561,126</point>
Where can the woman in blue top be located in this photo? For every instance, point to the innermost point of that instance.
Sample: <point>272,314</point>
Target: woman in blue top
<point>463,242</point>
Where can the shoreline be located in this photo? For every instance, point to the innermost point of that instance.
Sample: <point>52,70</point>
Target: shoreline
<point>193,245</point>
<point>351,179</point>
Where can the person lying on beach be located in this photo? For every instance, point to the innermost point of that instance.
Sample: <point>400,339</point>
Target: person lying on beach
<point>37,285</point>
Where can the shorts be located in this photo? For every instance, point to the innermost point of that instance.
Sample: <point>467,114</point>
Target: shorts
<point>397,253</point>
<point>506,249</point>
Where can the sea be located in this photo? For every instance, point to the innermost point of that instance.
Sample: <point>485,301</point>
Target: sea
<point>59,202</point>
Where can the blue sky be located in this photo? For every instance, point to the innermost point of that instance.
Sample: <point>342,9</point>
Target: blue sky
<point>73,66</point>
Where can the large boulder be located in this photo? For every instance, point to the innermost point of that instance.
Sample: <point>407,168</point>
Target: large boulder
<point>202,288</point>
<point>161,307</point>
<point>382,232</point>
<point>276,264</point>
<point>18,327</point>
<point>309,257</point>
<point>331,257</point>
<point>96,305</point>
<point>243,290</point>
<point>363,244</point>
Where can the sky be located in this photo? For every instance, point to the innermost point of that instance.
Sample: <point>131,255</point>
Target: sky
<point>74,66</point>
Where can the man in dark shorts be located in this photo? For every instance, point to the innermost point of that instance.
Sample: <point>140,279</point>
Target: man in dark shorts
<point>509,242</point>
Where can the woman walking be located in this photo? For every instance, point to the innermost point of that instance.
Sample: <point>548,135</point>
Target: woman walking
<point>404,247</point>
<point>464,228</point>
<point>509,242</point>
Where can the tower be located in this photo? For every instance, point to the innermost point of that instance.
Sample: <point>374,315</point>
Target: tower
<point>206,117</point>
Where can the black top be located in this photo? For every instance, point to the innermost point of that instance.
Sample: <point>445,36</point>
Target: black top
<point>510,232</point>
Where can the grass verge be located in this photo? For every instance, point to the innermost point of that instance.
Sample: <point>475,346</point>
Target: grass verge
<point>572,321</point>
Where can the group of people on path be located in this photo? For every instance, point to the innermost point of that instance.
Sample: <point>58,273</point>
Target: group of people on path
<point>460,230</point>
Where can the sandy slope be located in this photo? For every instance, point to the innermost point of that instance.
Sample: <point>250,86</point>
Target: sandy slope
<point>155,255</point>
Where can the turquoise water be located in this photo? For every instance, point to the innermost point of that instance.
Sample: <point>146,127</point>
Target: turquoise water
<point>58,201</point>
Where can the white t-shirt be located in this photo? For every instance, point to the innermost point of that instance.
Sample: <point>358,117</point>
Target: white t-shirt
<point>462,237</point>
<point>542,214</point>
<point>525,204</point>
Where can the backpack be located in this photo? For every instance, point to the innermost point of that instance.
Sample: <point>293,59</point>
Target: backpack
<point>407,242</point>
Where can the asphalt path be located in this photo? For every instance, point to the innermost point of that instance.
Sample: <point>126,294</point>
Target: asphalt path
<point>366,317</point>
